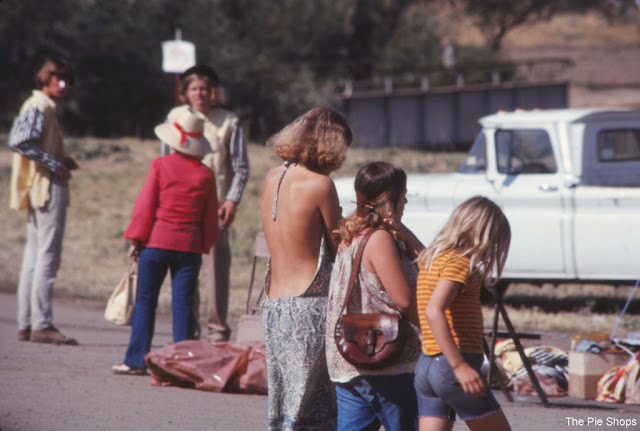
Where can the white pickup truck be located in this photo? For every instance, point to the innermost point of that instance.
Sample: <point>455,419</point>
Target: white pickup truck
<point>568,181</point>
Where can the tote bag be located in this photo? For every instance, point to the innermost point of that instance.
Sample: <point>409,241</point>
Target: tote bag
<point>121,303</point>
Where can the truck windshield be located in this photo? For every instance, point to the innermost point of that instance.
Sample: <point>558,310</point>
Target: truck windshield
<point>524,151</point>
<point>476,160</point>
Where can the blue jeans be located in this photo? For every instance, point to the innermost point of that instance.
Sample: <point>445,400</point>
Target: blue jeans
<point>367,402</point>
<point>153,264</point>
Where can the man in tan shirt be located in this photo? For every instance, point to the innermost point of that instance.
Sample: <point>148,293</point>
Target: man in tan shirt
<point>230,164</point>
<point>39,184</point>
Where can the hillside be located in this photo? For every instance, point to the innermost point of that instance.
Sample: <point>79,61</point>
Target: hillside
<point>604,56</point>
<point>605,69</point>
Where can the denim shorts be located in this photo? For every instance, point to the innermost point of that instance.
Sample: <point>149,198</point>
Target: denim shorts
<point>440,394</point>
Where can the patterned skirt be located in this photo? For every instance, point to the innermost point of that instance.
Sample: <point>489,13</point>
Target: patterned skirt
<point>301,395</point>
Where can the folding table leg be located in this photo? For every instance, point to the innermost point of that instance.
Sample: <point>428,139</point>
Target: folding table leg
<point>523,357</point>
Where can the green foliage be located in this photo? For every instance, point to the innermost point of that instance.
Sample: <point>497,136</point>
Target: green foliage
<point>273,56</point>
<point>276,58</point>
<point>415,45</point>
<point>30,30</point>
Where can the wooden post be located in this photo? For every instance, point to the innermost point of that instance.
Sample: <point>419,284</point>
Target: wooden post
<point>177,90</point>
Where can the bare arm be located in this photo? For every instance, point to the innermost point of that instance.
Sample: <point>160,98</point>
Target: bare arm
<point>382,258</point>
<point>331,214</point>
<point>402,233</point>
<point>442,297</point>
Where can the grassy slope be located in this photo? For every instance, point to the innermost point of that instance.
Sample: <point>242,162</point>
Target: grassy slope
<point>112,172</point>
<point>102,194</point>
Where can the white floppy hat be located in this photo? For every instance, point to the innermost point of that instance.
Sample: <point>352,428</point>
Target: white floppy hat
<point>185,134</point>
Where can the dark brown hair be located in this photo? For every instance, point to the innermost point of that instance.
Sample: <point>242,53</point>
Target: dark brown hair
<point>57,67</point>
<point>379,187</point>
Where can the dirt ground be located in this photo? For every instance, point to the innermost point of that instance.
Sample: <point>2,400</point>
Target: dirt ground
<point>71,388</point>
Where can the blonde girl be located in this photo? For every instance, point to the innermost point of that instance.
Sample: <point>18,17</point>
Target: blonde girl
<point>472,245</point>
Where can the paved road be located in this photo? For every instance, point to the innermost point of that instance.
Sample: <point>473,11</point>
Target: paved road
<point>71,388</point>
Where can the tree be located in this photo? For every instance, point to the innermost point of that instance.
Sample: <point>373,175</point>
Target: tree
<point>30,31</point>
<point>370,25</point>
<point>414,46</point>
<point>119,89</point>
<point>276,58</point>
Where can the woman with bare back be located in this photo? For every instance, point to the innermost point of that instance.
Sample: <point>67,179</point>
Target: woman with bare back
<point>300,210</point>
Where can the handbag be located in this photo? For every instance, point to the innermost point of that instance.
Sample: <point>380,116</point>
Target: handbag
<point>368,340</point>
<point>121,303</point>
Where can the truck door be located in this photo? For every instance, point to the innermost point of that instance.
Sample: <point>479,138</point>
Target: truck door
<point>527,185</point>
<point>607,204</point>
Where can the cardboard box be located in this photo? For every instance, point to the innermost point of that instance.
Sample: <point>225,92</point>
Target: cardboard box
<point>585,369</point>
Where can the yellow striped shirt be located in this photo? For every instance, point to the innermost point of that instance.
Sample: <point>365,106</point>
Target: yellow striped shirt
<point>464,315</point>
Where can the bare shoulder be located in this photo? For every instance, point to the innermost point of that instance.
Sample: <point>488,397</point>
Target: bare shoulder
<point>381,237</point>
<point>272,177</point>
<point>379,252</point>
<point>321,184</point>
<point>301,183</point>
<point>269,183</point>
<point>273,173</point>
<point>381,243</point>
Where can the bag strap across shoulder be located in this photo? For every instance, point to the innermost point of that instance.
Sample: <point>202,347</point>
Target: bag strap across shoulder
<point>355,268</point>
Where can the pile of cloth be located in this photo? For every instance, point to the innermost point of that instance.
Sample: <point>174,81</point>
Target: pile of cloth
<point>217,367</point>
<point>621,384</point>
<point>549,364</point>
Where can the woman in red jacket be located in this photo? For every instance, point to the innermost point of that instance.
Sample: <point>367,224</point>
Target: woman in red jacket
<point>174,221</point>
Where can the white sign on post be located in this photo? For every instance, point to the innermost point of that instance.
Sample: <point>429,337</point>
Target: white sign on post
<point>177,56</point>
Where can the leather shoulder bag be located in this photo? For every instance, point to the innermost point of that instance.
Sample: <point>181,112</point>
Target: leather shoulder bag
<point>368,340</point>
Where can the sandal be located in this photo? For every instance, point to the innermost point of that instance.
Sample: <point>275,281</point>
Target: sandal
<point>130,371</point>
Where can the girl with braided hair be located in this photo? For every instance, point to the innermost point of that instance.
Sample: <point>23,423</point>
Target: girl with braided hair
<point>387,277</point>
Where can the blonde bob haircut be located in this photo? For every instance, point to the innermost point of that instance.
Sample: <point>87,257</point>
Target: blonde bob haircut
<point>379,187</point>
<point>477,229</point>
<point>317,140</point>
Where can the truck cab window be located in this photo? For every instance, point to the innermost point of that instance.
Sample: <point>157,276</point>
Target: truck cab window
<point>524,151</point>
<point>618,145</point>
<point>476,160</point>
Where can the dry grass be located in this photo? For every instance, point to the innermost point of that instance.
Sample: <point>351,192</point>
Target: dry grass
<point>578,30</point>
<point>566,29</point>
<point>571,308</point>
<point>112,172</point>
<point>102,194</point>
